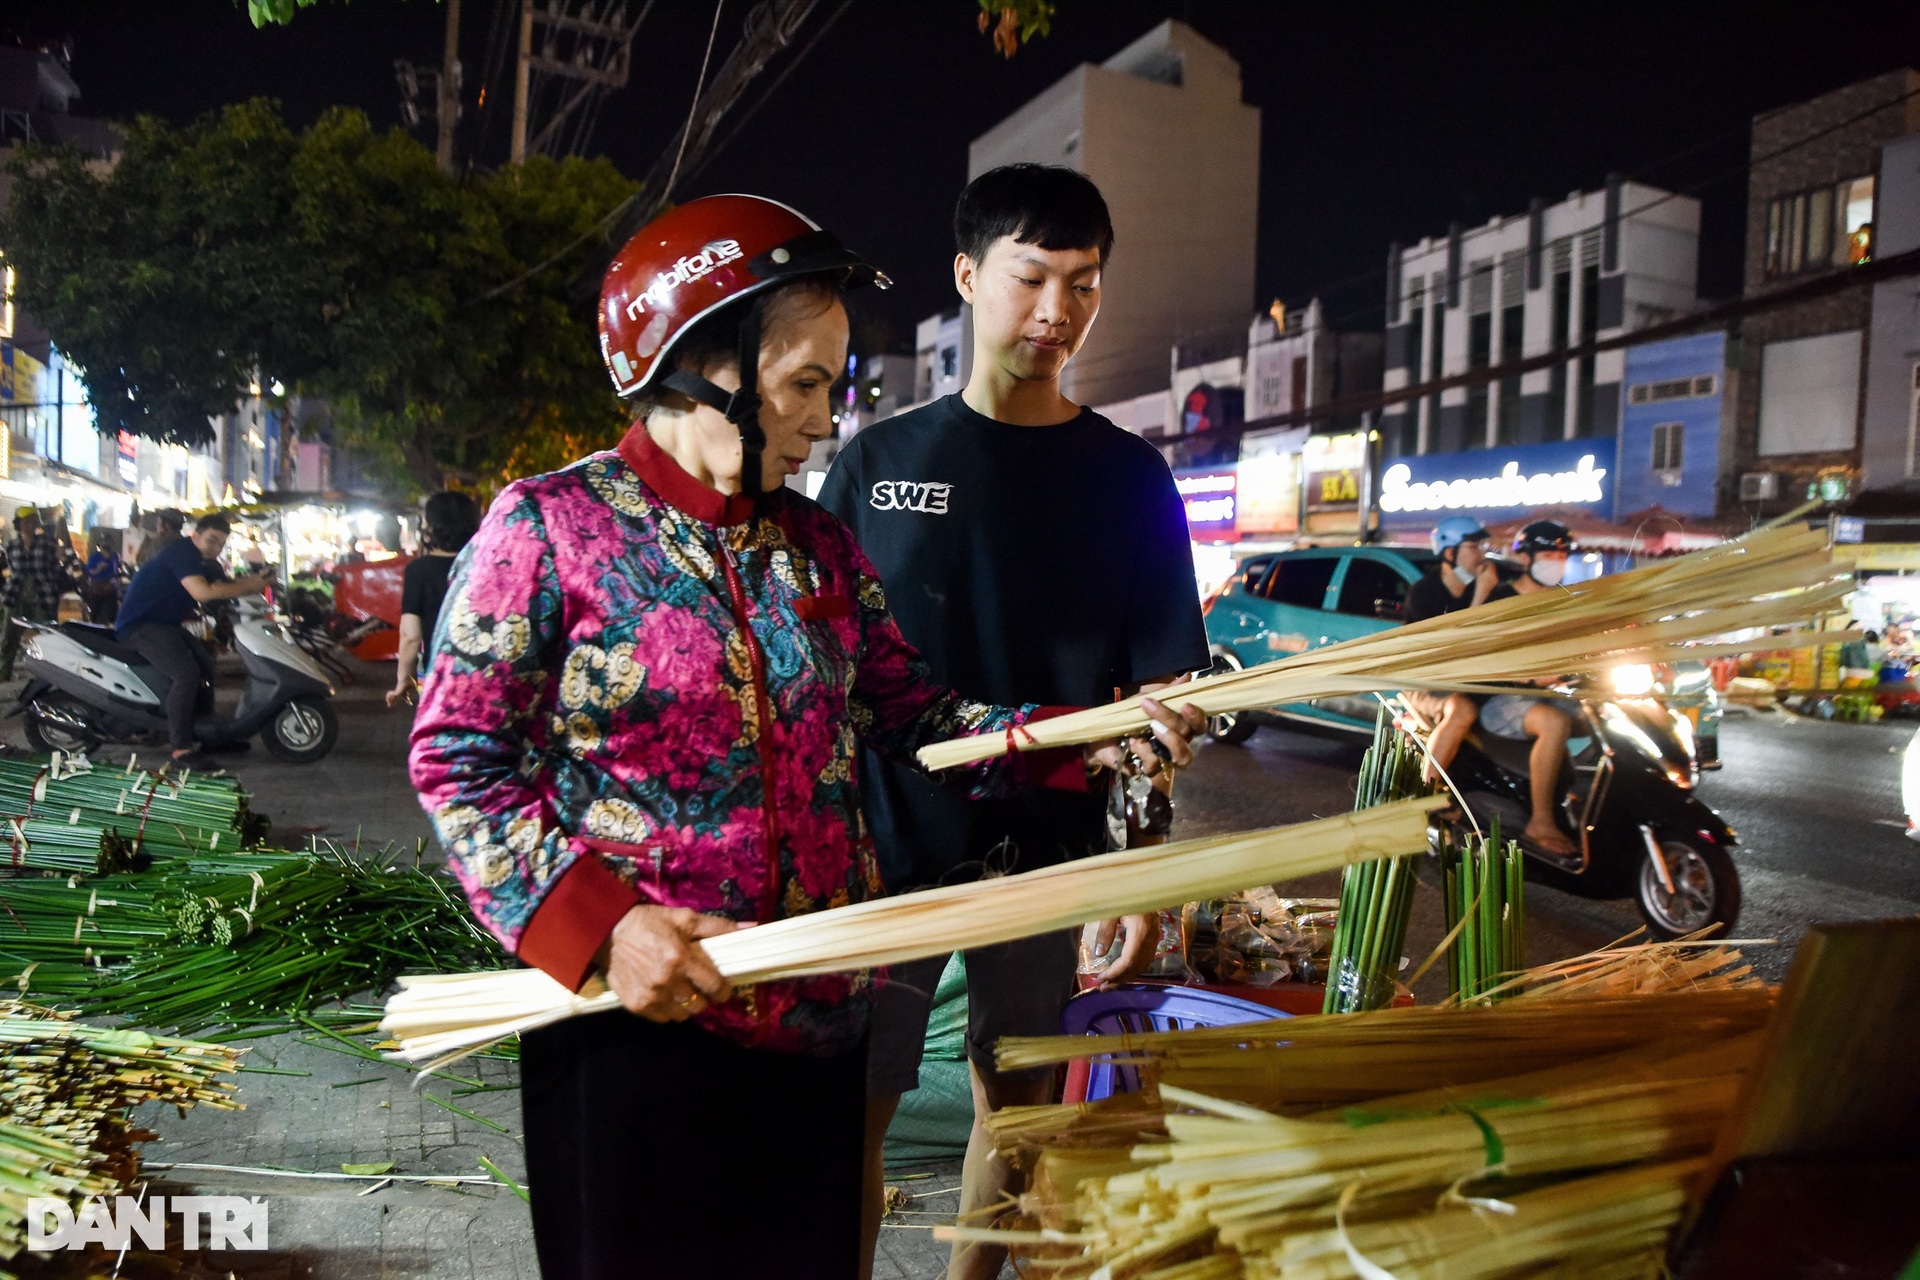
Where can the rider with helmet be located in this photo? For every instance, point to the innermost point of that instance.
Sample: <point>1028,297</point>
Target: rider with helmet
<point>638,730</point>
<point>1542,549</point>
<point>1463,578</point>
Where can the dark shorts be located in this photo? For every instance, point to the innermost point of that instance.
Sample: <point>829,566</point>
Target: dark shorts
<point>1013,989</point>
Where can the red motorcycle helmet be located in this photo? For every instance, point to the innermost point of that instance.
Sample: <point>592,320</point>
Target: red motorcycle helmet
<point>689,263</point>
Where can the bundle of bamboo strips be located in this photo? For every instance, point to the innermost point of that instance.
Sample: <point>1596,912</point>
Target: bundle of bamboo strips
<point>1662,613</point>
<point>1524,1101</point>
<point>435,1016</point>
<point>64,1093</point>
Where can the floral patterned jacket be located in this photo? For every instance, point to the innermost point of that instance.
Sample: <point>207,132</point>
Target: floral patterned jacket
<point>641,694</point>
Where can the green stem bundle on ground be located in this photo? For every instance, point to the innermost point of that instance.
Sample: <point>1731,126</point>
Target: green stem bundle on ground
<point>1485,876</point>
<point>69,816</point>
<point>231,940</point>
<point>1376,898</point>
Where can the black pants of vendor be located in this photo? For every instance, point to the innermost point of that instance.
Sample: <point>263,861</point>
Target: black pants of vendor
<point>661,1151</point>
<point>187,663</point>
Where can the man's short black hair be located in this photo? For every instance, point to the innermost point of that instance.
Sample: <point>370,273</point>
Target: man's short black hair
<point>1037,204</point>
<point>213,520</point>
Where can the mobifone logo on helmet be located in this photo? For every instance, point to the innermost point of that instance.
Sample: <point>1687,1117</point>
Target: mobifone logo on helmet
<point>710,259</point>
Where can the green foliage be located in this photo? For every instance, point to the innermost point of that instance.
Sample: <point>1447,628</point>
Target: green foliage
<point>340,260</point>
<point>277,12</point>
<point>1012,21</point>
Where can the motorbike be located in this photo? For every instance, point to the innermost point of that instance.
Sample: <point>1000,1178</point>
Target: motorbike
<point>84,688</point>
<point>1627,803</point>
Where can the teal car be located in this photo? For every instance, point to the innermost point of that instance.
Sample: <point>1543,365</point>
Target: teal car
<point>1280,605</point>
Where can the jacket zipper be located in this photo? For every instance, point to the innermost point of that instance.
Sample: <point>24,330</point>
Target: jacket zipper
<point>763,706</point>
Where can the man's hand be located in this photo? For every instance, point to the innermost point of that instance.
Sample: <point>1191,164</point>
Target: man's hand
<point>1173,731</point>
<point>653,963</point>
<point>1142,936</point>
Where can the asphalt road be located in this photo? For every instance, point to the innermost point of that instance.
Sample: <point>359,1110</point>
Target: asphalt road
<point>1816,806</point>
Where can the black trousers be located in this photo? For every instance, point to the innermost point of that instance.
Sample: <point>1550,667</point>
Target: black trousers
<point>661,1152</point>
<point>183,660</point>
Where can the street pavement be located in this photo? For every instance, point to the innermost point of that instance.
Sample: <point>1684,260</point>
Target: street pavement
<point>1816,805</point>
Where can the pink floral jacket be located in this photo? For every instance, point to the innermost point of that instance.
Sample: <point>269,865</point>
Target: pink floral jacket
<point>640,693</point>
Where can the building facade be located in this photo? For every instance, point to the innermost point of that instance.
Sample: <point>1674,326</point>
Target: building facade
<point>1593,266</point>
<point>1890,425</point>
<point>1161,129</point>
<point>1814,202</point>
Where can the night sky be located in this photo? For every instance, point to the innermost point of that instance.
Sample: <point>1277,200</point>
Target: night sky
<point>1380,122</point>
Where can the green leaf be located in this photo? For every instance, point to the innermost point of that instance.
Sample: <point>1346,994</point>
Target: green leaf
<point>368,1170</point>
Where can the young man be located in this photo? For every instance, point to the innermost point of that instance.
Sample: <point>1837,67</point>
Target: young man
<point>1033,552</point>
<point>163,595</point>
<point>1542,549</point>
<point>1462,579</point>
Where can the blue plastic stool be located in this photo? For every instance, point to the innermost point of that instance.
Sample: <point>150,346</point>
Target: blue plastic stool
<point>1145,1007</point>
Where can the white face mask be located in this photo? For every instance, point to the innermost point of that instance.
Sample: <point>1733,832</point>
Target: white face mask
<point>1463,576</point>
<point>1548,573</point>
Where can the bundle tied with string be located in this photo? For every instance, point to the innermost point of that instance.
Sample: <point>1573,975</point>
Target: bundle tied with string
<point>1556,1129</point>
<point>443,1017</point>
<point>1679,610</point>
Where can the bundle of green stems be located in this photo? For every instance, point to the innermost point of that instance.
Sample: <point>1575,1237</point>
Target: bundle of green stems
<point>1376,898</point>
<point>69,816</point>
<point>231,940</point>
<point>1486,917</point>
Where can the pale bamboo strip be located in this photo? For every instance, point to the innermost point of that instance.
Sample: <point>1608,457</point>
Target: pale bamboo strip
<point>444,1014</point>
<point>1773,578</point>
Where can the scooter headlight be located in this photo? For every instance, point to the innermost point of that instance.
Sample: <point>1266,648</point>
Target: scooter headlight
<point>1634,680</point>
<point>31,648</point>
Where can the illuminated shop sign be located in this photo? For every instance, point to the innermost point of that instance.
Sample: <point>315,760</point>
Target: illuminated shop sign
<point>1209,497</point>
<point>1496,482</point>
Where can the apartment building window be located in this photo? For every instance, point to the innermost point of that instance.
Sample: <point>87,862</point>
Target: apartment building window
<point>1825,227</point>
<point>1416,339</point>
<point>1669,442</point>
<point>1436,351</point>
<point>1513,298</point>
<point>1583,423</point>
<point>1673,389</point>
<point>1559,330</point>
<point>1479,350</point>
<point>949,362</point>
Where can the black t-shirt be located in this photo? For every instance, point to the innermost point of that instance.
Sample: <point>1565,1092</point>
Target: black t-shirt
<point>423,589</point>
<point>1430,598</point>
<point>1028,564</point>
<point>1504,591</point>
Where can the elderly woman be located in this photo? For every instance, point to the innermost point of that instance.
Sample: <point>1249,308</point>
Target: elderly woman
<point>638,730</point>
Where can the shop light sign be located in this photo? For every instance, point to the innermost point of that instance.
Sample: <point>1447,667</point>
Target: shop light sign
<point>1209,497</point>
<point>1509,488</point>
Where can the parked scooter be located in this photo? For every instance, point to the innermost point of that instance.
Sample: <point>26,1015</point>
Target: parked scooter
<point>84,688</point>
<point>1627,803</point>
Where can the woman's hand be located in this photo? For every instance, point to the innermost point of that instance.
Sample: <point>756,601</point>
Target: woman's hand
<point>654,964</point>
<point>401,692</point>
<point>1171,743</point>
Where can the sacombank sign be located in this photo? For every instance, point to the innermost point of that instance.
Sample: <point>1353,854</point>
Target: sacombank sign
<point>1512,486</point>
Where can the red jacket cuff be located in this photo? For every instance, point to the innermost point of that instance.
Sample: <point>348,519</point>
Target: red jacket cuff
<point>574,918</point>
<point>1056,768</point>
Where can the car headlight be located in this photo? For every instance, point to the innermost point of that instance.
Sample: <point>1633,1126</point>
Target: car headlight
<point>1635,680</point>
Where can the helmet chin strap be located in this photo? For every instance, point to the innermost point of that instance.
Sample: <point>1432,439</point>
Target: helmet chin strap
<point>742,407</point>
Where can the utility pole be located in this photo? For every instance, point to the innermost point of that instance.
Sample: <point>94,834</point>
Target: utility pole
<point>449,113</point>
<point>522,65</point>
